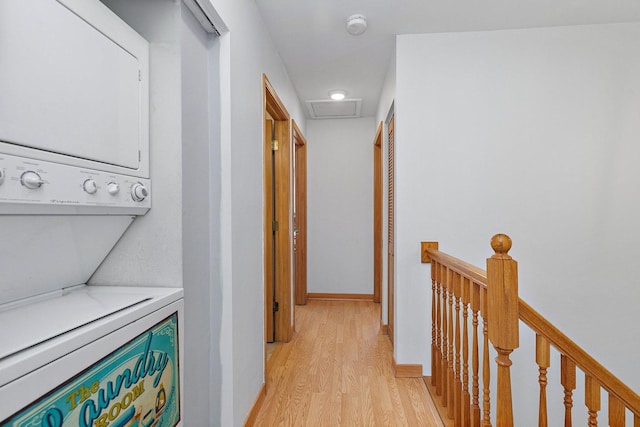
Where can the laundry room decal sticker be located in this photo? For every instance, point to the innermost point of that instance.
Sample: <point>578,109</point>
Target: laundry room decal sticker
<point>135,386</point>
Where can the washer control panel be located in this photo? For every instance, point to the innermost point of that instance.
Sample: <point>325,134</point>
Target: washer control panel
<point>29,181</point>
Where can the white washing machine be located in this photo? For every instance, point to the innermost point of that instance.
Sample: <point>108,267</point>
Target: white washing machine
<point>93,356</point>
<point>74,175</point>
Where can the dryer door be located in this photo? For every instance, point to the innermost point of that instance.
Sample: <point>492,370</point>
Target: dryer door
<point>71,83</point>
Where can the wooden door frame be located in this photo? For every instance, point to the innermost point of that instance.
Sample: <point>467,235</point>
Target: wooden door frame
<point>300,176</point>
<point>273,106</point>
<point>377,215</point>
<point>269,326</point>
<point>391,229</point>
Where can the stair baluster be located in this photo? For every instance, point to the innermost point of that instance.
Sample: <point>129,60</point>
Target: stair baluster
<point>486,376</point>
<point>543,360</point>
<point>445,343</point>
<point>450,338</point>
<point>434,347</point>
<point>592,399</point>
<point>466,397</point>
<point>437,374</point>
<point>457,381</point>
<point>475,359</point>
<point>568,381</point>
<point>616,412</point>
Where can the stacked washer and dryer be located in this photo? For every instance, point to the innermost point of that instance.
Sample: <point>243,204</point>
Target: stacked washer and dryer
<point>74,175</point>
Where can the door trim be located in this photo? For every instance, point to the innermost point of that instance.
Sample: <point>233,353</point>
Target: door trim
<point>391,229</point>
<point>269,284</point>
<point>300,177</point>
<point>377,215</point>
<point>273,106</point>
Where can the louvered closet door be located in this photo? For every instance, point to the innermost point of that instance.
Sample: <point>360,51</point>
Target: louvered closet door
<point>391,229</point>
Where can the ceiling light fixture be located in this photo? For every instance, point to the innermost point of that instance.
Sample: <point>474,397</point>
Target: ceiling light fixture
<point>356,24</point>
<point>338,95</point>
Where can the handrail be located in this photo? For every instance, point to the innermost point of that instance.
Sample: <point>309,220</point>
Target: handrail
<point>582,359</point>
<point>464,268</point>
<point>492,294</point>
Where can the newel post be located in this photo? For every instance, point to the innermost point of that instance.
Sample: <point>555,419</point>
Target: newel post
<point>502,299</point>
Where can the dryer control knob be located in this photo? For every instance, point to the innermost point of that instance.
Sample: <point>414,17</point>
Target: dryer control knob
<point>139,192</point>
<point>113,188</point>
<point>31,180</point>
<point>90,186</point>
<point>2,174</point>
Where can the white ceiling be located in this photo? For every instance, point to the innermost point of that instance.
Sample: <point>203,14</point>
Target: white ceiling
<point>320,55</point>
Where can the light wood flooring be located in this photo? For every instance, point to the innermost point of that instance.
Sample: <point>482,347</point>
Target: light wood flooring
<point>338,371</point>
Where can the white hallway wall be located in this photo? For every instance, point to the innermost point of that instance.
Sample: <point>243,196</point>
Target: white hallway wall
<point>340,205</point>
<point>247,51</point>
<point>151,252</point>
<point>532,133</point>
<point>201,219</point>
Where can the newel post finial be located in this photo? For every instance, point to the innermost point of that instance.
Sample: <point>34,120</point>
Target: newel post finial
<point>503,318</point>
<point>501,244</point>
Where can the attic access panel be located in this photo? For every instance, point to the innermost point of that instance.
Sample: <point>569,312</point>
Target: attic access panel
<point>329,109</point>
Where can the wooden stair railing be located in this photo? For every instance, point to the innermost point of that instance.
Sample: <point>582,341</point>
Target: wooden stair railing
<point>460,364</point>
